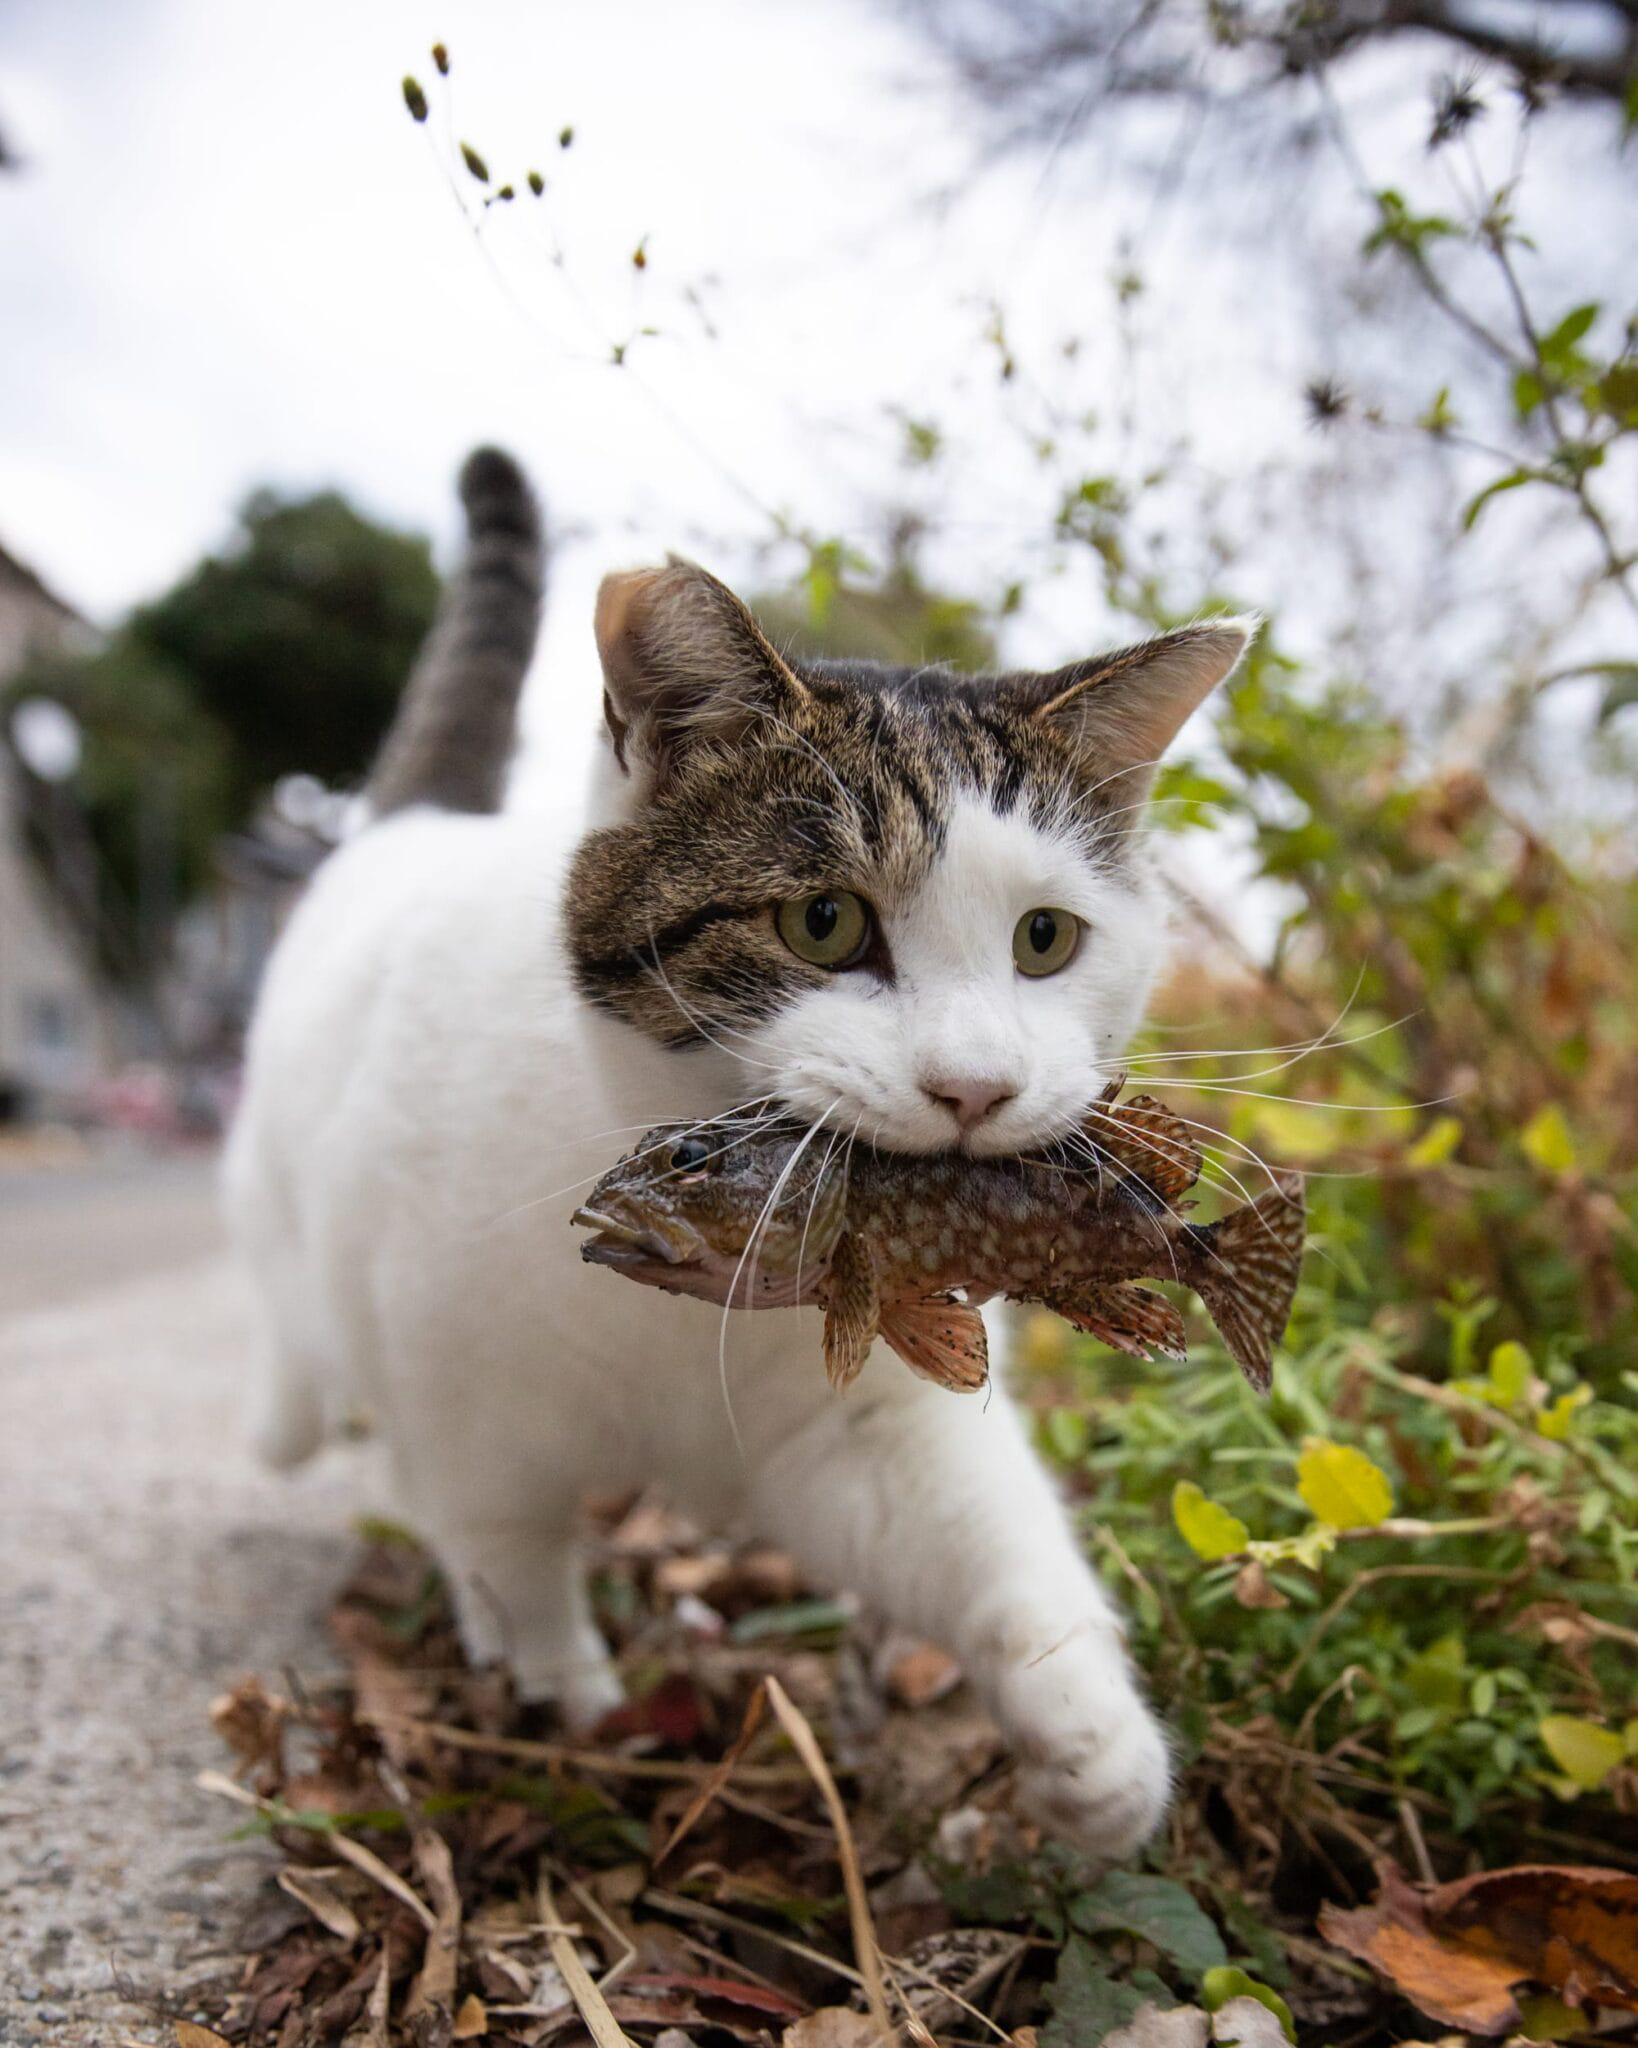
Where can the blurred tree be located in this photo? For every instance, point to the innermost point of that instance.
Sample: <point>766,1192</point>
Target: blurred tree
<point>296,641</point>
<point>284,654</point>
<point>1043,66</point>
<point>893,616</point>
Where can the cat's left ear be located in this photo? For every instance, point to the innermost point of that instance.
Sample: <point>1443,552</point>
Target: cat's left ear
<point>683,662</point>
<point>1122,711</point>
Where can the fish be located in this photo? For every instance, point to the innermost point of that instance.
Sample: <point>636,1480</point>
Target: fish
<point>908,1247</point>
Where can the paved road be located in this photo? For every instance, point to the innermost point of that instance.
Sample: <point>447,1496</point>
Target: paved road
<point>144,1562</point>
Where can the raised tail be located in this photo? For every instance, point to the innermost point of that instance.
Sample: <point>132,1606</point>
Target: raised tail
<point>1247,1274</point>
<point>452,738</point>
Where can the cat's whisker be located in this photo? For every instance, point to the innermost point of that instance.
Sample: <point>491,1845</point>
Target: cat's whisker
<point>728,1118</point>
<point>733,1285</point>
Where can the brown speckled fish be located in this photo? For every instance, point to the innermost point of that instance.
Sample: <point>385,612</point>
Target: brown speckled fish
<point>770,1216</point>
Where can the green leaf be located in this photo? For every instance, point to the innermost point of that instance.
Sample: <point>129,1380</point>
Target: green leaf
<point>1583,1751</point>
<point>1341,1485</point>
<point>1555,1422</point>
<point>1510,482</point>
<point>1210,1531</point>
<point>795,1618</point>
<point>1616,393</point>
<point>1528,392</point>
<point>1218,1986</point>
<point>1068,1435</point>
<point>474,163</point>
<point>1546,1141</point>
<point>1437,1676</point>
<point>1156,1910</point>
<point>1088,2003</point>
<point>1437,1143</point>
<point>1559,346</point>
<point>1622,687</point>
<point>1511,1372</point>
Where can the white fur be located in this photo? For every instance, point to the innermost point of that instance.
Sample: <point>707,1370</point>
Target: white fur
<point>425,1094</point>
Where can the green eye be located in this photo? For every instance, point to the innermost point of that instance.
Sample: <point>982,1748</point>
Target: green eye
<point>830,929</point>
<point>1045,940</point>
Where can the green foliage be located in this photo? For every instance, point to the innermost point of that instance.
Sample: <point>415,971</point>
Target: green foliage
<point>284,654</point>
<point>296,640</point>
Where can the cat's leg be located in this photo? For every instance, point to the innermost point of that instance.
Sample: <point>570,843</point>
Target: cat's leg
<point>934,1508</point>
<point>519,1588</point>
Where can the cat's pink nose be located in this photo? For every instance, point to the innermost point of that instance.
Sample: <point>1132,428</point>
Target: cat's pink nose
<point>968,1098</point>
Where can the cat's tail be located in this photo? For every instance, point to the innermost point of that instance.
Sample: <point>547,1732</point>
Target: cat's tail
<point>452,738</point>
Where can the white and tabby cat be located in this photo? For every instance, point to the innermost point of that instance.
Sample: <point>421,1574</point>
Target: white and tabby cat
<point>914,906</point>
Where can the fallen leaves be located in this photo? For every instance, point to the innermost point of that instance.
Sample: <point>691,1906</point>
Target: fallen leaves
<point>1461,1952</point>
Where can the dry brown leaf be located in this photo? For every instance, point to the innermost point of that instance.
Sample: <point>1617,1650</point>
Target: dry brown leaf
<point>1252,1587</point>
<point>190,2036</point>
<point>923,1673</point>
<point>1179,2026</point>
<point>435,1986</point>
<point>471,2021</point>
<point>832,2026</point>
<point>1248,2023</point>
<point>1459,1951</point>
<point>251,1720</point>
<point>311,1888</point>
<point>718,1777</point>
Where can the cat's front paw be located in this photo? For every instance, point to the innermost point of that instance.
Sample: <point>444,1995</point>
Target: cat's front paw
<point>1093,1767</point>
<point>1104,1793</point>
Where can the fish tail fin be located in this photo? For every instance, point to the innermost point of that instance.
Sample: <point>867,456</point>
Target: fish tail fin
<point>1247,1274</point>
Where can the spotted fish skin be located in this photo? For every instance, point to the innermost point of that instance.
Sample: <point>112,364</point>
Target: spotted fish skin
<point>907,1247</point>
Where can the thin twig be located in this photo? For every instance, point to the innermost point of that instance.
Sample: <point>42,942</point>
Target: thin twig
<point>806,1744</point>
<point>589,2001</point>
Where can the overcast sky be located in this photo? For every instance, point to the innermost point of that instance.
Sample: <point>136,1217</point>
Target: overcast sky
<point>232,258</point>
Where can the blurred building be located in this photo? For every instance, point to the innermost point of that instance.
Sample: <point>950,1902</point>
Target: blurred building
<point>58,1030</point>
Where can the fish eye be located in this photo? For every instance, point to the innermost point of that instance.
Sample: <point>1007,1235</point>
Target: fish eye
<point>690,1155</point>
<point>830,928</point>
<point>1045,940</point>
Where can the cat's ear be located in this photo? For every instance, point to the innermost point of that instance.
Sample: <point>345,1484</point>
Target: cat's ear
<point>1122,711</point>
<point>683,661</point>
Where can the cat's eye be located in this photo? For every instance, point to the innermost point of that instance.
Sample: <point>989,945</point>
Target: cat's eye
<point>1045,940</point>
<point>691,1156</point>
<point>831,928</point>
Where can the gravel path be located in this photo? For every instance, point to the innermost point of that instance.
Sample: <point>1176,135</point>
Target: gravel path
<point>144,1563</point>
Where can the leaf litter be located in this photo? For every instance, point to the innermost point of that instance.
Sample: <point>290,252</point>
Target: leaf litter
<point>798,1835</point>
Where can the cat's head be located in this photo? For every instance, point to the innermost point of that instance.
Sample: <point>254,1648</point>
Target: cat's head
<point>906,902</point>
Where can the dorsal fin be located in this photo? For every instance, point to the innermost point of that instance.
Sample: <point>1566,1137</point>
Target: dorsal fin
<point>1144,1138</point>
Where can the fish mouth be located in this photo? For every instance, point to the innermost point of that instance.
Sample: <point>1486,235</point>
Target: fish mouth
<point>630,1239</point>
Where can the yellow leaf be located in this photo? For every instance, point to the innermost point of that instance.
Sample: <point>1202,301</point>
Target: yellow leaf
<point>1555,1422</point>
<point>1547,1142</point>
<point>1209,1531</point>
<point>1510,1374</point>
<point>1342,1486</point>
<point>189,2035</point>
<point>1437,1143</point>
<point>1583,1751</point>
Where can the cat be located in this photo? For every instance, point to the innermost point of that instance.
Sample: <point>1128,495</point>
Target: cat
<point>915,907</point>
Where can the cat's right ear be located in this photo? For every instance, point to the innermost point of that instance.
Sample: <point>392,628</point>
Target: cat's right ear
<point>683,662</point>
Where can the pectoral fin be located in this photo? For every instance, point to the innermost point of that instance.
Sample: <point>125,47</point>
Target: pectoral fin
<point>1126,1318</point>
<point>941,1340</point>
<point>851,1304</point>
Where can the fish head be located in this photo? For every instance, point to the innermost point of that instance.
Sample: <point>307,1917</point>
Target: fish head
<point>748,1216</point>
